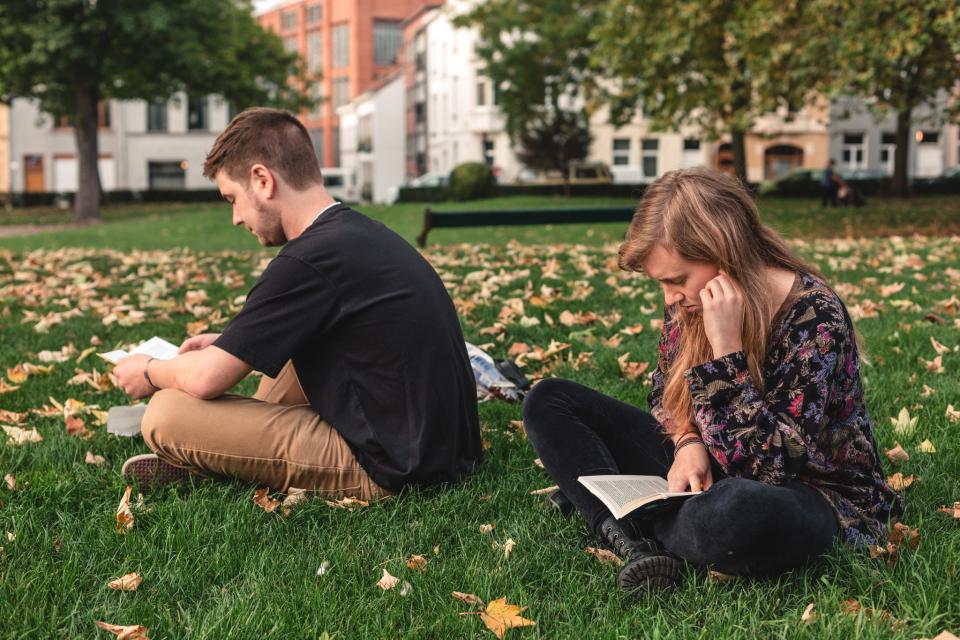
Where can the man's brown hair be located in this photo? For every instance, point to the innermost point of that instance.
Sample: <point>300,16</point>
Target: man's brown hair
<point>270,137</point>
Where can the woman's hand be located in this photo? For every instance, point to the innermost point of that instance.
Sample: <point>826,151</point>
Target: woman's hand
<point>690,470</point>
<point>723,315</point>
<point>196,343</point>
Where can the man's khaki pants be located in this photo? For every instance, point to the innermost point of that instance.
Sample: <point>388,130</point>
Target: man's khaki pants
<point>275,438</point>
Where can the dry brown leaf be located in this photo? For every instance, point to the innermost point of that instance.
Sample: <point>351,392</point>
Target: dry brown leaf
<point>387,581</point>
<point>129,582</point>
<point>809,615</point>
<point>926,447</point>
<point>852,607</point>
<point>124,518</point>
<point>952,414</point>
<point>11,481</point>
<point>500,616</point>
<point>935,365</point>
<point>11,416</point>
<point>487,528</point>
<point>605,556</point>
<point>631,370</point>
<point>125,632</point>
<point>718,577</point>
<point>508,548</point>
<point>294,497</point>
<point>938,347</point>
<point>897,455</point>
<point>75,427</point>
<point>261,498</point>
<point>17,374</point>
<point>93,458</point>
<point>927,391</point>
<point>953,512</point>
<point>17,437</point>
<point>7,388</point>
<point>943,635</point>
<point>899,482</point>
<point>544,491</point>
<point>417,563</point>
<point>348,503</point>
<point>901,533</point>
<point>469,598</point>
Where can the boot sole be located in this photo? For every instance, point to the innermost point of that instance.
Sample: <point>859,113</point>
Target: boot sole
<point>649,573</point>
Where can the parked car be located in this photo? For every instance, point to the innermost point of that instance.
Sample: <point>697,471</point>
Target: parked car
<point>797,182</point>
<point>577,173</point>
<point>341,183</point>
<point>431,180</point>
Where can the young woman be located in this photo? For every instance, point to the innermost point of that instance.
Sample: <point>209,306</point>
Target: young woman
<point>757,400</point>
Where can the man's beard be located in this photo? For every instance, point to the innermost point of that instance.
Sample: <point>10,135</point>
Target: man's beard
<point>269,218</point>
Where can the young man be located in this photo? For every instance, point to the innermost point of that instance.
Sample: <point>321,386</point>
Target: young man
<point>367,386</point>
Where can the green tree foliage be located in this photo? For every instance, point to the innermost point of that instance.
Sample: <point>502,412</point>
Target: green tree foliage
<point>71,54</point>
<point>537,54</point>
<point>553,141</point>
<point>901,53</point>
<point>713,64</point>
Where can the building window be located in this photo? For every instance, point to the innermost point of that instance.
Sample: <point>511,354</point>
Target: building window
<point>197,113</point>
<point>314,13</point>
<point>290,44</point>
<point>157,115</point>
<point>923,137</point>
<point>481,93</point>
<point>316,93</point>
<point>650,148</point>
<point>167,175</point>
<point>315,50</point>
<point>692,157</point>
<point>288,20</point>
<point>888,149</point>
<point>488,152</point>
<point>341,92</point>
<point>691,144</point>
<point>341,45</point>
<point>621,151</point>
<point>336,146</point>
<point>853,151</point>
<point>387,38</point>
<point>365,134</point>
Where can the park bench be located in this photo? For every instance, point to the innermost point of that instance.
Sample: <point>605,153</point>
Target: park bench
<point>501,217</point>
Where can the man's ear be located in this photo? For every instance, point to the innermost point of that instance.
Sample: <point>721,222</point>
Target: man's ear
<point>263,181</point>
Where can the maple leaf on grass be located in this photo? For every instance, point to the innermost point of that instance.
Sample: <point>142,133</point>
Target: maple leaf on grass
<point>11,482</point>
<point>953,512</point>
<point>605,556</point>
<point>631,370</point>
<point>125,632</point>
<point>904,425</point>
<point>500,616</point>
<point>17,437</point>
<point>897,455</point>
<point>387,581</point>
<point>417,563</point>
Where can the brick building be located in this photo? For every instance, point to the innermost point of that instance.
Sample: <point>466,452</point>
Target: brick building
<point>352,44</point>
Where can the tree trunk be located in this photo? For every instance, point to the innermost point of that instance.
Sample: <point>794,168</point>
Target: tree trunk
<point>901,181</point>
<point>738,142</point>
<point>86,206</point>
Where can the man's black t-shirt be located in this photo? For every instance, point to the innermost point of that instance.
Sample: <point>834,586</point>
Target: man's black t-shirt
<point>376,343</point>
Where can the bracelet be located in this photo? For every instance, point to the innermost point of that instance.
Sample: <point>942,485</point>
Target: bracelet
<point>146,374</point>
<point>696,440</point>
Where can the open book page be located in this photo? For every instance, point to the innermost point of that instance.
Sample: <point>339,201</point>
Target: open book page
<point>623,494</point>
<point>154,347</point>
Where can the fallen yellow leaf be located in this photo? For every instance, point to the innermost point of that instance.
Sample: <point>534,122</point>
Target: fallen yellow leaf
<point>261,498</point>
<point>898,454</point>
<point>953,511</point>
<point>417,563</point>
<point>809,615</point>
<point>605,556</point>
<point>926,447</point>
<point>899,482</point>
<point>92,458</point>
<point>487,528</point>
<point>387,581</point>
<point>500,616</point>
<point>11,482</point>
<point>17,437</point>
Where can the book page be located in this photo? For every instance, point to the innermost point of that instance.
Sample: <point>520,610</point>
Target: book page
<point>154,347</point>
<point>622,494</point>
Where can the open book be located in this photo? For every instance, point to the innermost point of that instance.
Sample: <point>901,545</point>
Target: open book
<point>154,347</point>
<point>625,494</point>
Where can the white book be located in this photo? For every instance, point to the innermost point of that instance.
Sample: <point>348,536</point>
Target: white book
<point>625,494</point>
<point>154,347</point>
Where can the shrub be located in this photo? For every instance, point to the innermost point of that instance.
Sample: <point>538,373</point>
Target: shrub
<point>472,180</point>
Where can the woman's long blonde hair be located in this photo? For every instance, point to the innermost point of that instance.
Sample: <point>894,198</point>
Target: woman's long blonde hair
<point>708,216</point>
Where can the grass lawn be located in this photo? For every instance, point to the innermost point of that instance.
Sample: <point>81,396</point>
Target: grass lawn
<point>214,565</point>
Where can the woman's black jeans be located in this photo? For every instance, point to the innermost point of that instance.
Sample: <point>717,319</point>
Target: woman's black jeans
<point>738,526</point>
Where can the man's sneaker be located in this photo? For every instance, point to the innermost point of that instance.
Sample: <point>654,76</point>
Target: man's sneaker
<point>647,566</point>
<point>148,470</point>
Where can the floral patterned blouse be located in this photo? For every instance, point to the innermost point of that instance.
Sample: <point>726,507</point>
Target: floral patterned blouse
<point>810,424</point>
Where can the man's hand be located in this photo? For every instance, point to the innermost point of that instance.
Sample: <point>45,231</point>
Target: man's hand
<point>723,315</point>
<point>690,470</point>
<point>129,374</point>
<point>196,343</point>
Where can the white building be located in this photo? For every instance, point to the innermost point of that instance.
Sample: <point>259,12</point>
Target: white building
<point>142,145</point>
<point>463,121</point>
<point>372,139</point>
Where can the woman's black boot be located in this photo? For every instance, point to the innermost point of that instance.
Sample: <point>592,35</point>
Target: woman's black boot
<point>647,566</point>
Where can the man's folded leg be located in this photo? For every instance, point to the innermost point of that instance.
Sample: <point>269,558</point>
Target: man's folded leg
<point>277,445</point>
